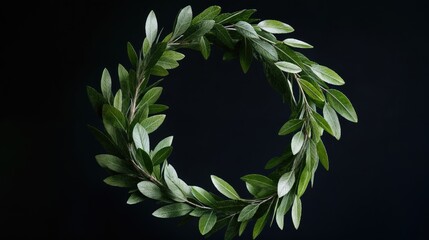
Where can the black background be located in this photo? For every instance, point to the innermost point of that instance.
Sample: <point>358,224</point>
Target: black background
<point>224,122</point>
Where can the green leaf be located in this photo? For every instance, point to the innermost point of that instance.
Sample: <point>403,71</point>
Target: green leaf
<point>248,212</point>
<point>158,71</point>
<point>203,196</point>
<point>173,210</point>
<point>167,63</point>
<point>146,47</point>
<point>225,188</point>
<point>198,212</point>
<point>242,15</point>
<point>274,26</point>
<point>304,180</point>
<point>154,55</point>
<point>106,85</point>
<point>113,163</point>
<point>141,138</point>
<point>297,142</point>
<point>166,142</point>
<point>243,226</point>
<point>205,47</point>
<point>124,80</point>
<point>105,141</point>
<point>342,105</point>
<point>97,100</point>
<point>150,190</point>
<point>290,126</point>
<point>157,108</point>
<point>283,208</point>
<point>323,155</point>
<point>322,122</point>
<point>288,67</point>
<point>208,14</point>
<point>246,30</point>
<point>272,163</point>
<point>173,55</point>
<point>223,35</point>
<point>161,155</point>
<point>121,180</point>
<point>132,55</point>
<point>232,229</point>
<point>331,117</point>
<point>296,43</point>
<point>174,184</point>
<point>311,91</point>
<point>117,101</point>
<point>151,27</point>
<point>296,212</point>
<point>326,74</point>
<point>259,192</point>
<point>152,95</point>
<point>260,224</point>
<point>144,160</point>
<point>259,181</point>
<point>183,22</point>
<point>207,222</point>
<point>114,117</point>
<point>135,198</point>
<point>246,55</point>
<point>266,50</point>
<point>199,30</point>
<point>152,123</point>
<point>285,184</point>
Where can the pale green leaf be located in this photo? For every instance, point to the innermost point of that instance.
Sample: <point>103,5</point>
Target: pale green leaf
<point>342,105</point>
<point>167,63</point>
<point>173,210</point>
<point>326,74</point>
<point>296,212</point>
<point>117,101</point>
<point>225,188</point>
<point>274,26</point>
<point>248,212</point>
<point>266,50</point>
<point>166,142</point>
<point>243,226</point>
<point>152,123</point>
<point>152,95</point>
<point>296,43</point>
<point>135,198</point>
<point>150,190</point>
<point>207,222</point>
<point>173,55</point>
<point>290,126</point>
<point>283,208</point>
<point>106,85</point>
<point>304,180</point>
<point>141,138</point>
<point>331,117</point>
<point>246,30</point>
<point>297,142</point>
<point>151,27</point>
<point>288,67</point>
<point>285,184</point>
<point>312,91</point>
<point>203,196</point>
<point>157,108</point>
<point>158,71</point>
<point>260,224</point>
<point>183,22</point>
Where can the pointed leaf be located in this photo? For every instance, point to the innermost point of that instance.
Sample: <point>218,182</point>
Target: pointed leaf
<point>311,91</point>
<point>124,80</point>
<point>285,183</point>
<point>208,14</point>
<point>297,142</point>
<point>322,122</point>
<point>114,117</point>
<point>248,212</point>
<point>223,35</point>
<point>259,181</point>
<point>304,180</point>
<point>106,85</point>
<point>144,160</point>
<point>132,55</point>
<point>113,163</point>
<point>173,55</point>
<point>121,180</point>
<point>332,119</point>
<point>265,49</point>
<point>323,155</point>
<point>173,210</point>
<point>288,67</point>
<point>225,188</point>
<point>243,226</point>
<point>141,138</point>
<point>246,55</point>
<point>150,190</point>
<point>283,208</point>
<point>246,30</point>
<point>152,123</point>
<point>152,95</point>
<point>326,74</point>
<point>183,22</point>
<point>274,26</point>
<point>203,196</point>
<point>135,198</point>
<point>199,30</point>
<point>117,101</point>
<point>296,43</point>
<point>207,222</point>
<point>205,47</point>
<point>157,108</point>
<point>166,142</point>
<point>260,224</point>
<point>290,126</point>
<point>232,229</point>
<point>296,212</point>
<point>342,105</point>
<point>161,155</point>
<point>151,27</point>
<point>97,100</point>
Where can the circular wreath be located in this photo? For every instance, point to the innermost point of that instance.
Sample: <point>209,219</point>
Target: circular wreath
<point>132,113</point>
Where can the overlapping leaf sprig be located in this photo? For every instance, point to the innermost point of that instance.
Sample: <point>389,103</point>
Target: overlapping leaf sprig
<point>133,112</point>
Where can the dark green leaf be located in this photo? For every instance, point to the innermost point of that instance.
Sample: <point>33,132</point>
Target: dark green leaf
<point>304,180</point>
<point>242,15</point>
<point>198,212</point>
<point>183,22</point>
<point>208,14</point>
<point>342,105</point>
<point>246,30</point>
<point>288,67</point>
<point>154,55</point>
<point>323,155</point>
<point>135,198</point>
<point>161,155</point>
<point>151,27</point>
<point>121,180</point>
<point>173,210</point>
<point>114,117</point>
<point>105,141</point>
<point>272,163</point>
<point>274,26</point>
<point>248,212</point>
<point>152,123</point>
<point>260,224</point>
<point>297,142</point>
<point>124,80</point>
<point>205,47</point>
<point>232,229</point>
<point>285,183</point>
<point>297,43</point>
<point>207,222</point>
<point>290,126</point>
<point>146,47</point>
<point>283,208</point>
<point>106,85</point>
<point>141,138</point>
<point>166,142</point>
<point>157,108</point>
<point>326,74</point>
<point>132,55</point>
<point>259,192</point>
<point>259,181</point>
<point>225,188</point>
<point>97,100</point>
<point>203,196</point>
<point>150,190</point>
<point>198,30</point>
<point>311,91</point>
<point>144,160</point>
<point>223,35</point>
<point>246,55</point>
<point>322,122</point>
<point>331,117</point>
<point>296,212</point>
<point>158,71</point>
<point>266,50</point>
<point>113,163</point>
<point>152,95</point>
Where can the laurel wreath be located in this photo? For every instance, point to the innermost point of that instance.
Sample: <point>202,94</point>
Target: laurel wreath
<point>133,112</point>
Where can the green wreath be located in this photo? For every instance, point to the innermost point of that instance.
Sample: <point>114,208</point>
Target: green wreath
<point>132,113</point>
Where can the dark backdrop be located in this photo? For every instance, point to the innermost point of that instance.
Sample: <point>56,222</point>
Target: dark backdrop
<point>224,122</point>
